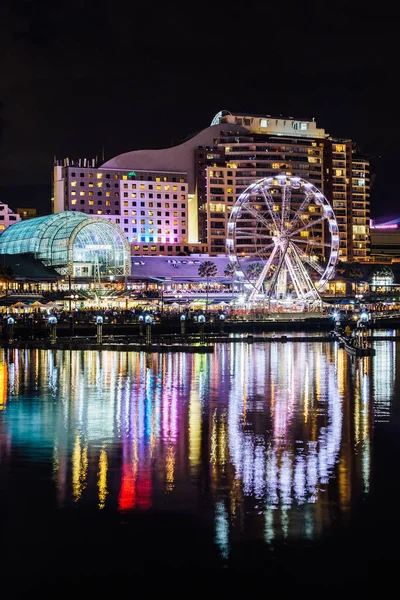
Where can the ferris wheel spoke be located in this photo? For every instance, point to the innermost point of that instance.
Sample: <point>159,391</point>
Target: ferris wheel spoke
<point>259,217</point>
<point>306,259</point>
<point>265,250</point>
<point>269,202</point>
<point>301,210</point>
<point>310,242</point>
<point>250,233</point>
<point>308,225</point>
<point>263,274</point>
<point>301,276</point>
<point>286,202</point>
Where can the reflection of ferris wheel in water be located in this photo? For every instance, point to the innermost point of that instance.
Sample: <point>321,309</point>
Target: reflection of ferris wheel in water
<point>286,228</point>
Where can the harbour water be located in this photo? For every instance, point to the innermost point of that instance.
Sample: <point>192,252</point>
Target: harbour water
<point>274,465</point>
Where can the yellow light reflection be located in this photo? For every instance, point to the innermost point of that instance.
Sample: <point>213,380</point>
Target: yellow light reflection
<point>102,480</point>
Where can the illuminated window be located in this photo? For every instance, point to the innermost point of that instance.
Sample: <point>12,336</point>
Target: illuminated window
<point>73,183</point>
<point>133,195</point>
<point>90,193</point>
<point>73,193</point>
<point>339,148</point>
<point>108,203</point>
<point>90,184</point>
<point>275,165</point>
<point>73,201</point>
<point>158,187</point>
<point>81,193</point>
<point>99,175</point>
<point>264,122</point>
<point>133,213</point>
<point>107,194</point>
<point>124,176</point>
<point>151,222</point>
<point>142,186</point>
<point>91,202</point>
<point>90,175</point>
<point>100,212</point>
<point>125,186</point>
<point>166,188</point>
<point>126,203</point>
<point>158,179</point>
<point>115,176</point>
<point>133,221</point>
<point>143,221</point>
<point>167,232</point>
<point>339,172</point>
<point>151,231</point>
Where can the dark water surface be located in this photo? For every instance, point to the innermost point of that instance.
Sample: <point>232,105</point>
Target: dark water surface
<point>270,466</point>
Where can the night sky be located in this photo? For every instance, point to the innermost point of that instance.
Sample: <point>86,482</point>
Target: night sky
<point>80,79</point>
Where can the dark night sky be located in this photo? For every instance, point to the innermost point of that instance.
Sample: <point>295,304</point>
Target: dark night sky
<point>80,76</point>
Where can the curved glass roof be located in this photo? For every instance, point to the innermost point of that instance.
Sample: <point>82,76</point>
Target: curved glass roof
<point>61,239</point>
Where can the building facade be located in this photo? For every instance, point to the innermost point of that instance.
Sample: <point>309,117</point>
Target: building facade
<point>151,207</point>
<point>211,170</point>
<point>7,217</point>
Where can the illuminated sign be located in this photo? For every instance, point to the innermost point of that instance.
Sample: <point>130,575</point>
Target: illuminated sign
<point>131,174</point>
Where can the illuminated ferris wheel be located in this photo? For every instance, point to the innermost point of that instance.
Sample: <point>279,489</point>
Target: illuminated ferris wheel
<point>283,240</point>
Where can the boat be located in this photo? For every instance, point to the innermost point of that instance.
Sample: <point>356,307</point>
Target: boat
<point>352,347</point>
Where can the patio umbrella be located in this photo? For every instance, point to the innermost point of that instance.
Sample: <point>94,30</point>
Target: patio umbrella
<point>37,304</point>
<point>19,305</point>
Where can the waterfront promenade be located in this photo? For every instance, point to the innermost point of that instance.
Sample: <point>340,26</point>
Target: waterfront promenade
<point>173,334</point>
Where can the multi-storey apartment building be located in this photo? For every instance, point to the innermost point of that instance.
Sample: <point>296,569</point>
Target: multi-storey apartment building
<point>150,206</point>
<point>7,217</point>
<point>215,166</point>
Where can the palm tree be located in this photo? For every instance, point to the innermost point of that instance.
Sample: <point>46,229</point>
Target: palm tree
<point>230,271</point>
<point>207,269</point>
<point>253,270</point>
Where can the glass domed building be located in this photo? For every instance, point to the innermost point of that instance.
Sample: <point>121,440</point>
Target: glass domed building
<point>73,243</point>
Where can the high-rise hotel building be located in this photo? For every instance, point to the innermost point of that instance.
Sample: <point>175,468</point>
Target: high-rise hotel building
<point>207,173</point>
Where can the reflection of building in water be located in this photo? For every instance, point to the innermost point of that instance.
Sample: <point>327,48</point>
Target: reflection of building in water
<point>287,441</point>
<point>3,384</point>
<point>267,436</point>
<point>384,371</point>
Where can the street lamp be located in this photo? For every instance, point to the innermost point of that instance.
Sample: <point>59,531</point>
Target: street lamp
<point>161,294</point>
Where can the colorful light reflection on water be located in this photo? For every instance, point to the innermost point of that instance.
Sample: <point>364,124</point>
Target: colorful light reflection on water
<point>273,439</point>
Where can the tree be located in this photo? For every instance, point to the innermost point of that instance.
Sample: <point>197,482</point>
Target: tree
<point>253,270</point>
<point>207,270</point>
<point>230,271</point>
